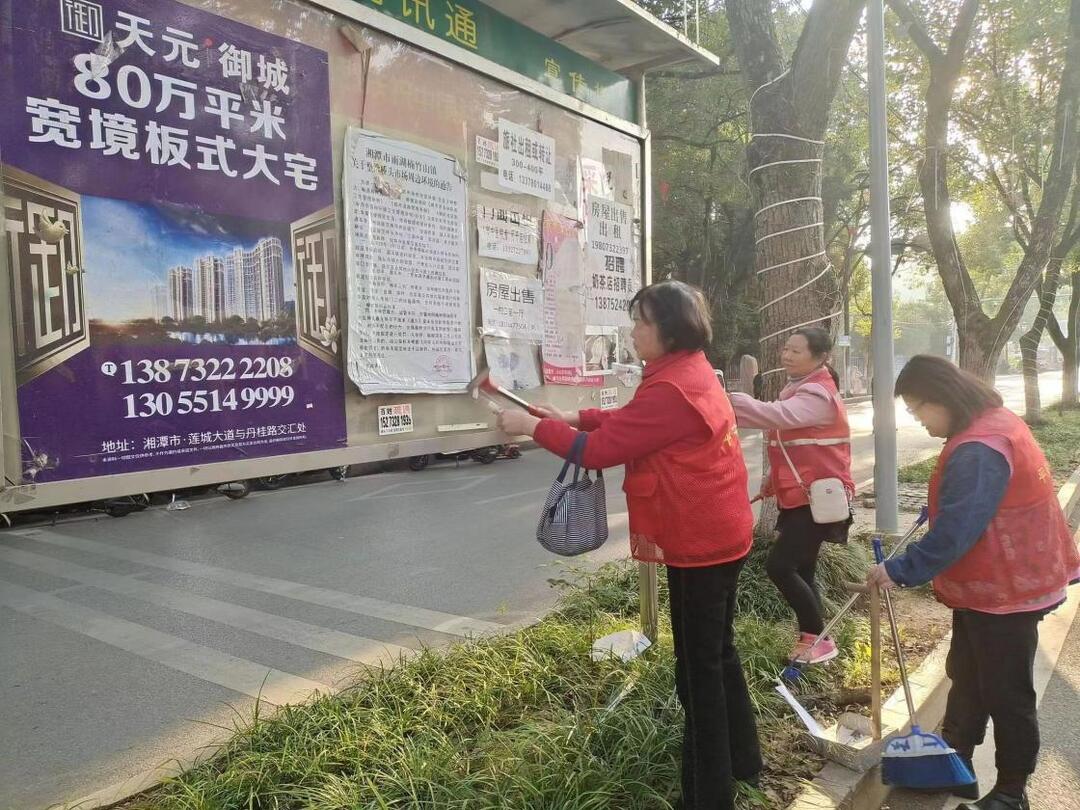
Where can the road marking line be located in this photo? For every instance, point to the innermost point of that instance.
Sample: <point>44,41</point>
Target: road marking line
<point>387,491</point>
<point>204,663</point>
<point>448,623</point>
<point>498,498</point>
<point>291,631</point>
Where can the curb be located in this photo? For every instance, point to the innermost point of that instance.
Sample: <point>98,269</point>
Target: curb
<point>839,788</point>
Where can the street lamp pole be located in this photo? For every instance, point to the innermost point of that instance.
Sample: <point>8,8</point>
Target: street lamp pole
<point>885,462</point>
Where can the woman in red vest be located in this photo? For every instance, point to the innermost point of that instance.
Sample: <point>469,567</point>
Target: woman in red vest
<point>809,440</point>
<point>1000,554</point>
<point>686,494</point>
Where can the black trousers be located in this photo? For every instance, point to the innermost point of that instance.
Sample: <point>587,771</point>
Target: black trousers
<point>720,742</point>
<point>992,666</point>
<point>792,562</point>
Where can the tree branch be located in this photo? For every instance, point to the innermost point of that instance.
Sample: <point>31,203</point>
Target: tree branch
<point>961,35</point>
<point>820,56</point>
<point>917,31</point>
<point>1020,228</point>
<point>752,28</point>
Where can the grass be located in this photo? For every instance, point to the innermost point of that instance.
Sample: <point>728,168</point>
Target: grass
<point>1058,435</point>
<point>522,721</point>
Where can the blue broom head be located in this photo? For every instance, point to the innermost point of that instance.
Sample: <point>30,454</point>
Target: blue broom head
<point>791,673</point>
<point>923,761</point>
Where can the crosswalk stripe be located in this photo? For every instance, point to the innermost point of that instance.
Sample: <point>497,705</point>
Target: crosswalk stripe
<point>205,663</point>
<point>321,639</point>
<point>366,606</point>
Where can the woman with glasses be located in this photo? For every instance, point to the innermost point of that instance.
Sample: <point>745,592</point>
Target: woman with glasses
<point>999,553</point>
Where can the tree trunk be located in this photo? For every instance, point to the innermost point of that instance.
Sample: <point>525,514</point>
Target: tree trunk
<point>1067,344</point>
<point>1029,351</point>
<point>789,116</point>
<point>1070,351</point>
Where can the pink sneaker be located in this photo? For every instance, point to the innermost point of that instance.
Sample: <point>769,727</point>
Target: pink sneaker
<point>824,650</point>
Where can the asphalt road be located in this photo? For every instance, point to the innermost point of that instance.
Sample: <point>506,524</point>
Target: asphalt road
<point>126,643</point>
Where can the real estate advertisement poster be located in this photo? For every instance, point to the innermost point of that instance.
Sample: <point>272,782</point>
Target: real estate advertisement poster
<point>172,242</point>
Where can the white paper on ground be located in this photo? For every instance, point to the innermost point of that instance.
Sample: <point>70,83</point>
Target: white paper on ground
<point>811,724</point>
<point>624,645</point>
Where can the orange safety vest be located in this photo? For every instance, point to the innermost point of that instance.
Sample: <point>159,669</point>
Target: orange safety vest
<point>1027,551</point>
<point>816,452</point>
<point>689,507</point>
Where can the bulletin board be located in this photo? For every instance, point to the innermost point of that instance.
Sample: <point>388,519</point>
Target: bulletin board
<point>539,232</point>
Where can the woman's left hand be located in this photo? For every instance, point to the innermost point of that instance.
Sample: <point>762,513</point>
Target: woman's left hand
<point>515,422</point>
<point>879,576</point>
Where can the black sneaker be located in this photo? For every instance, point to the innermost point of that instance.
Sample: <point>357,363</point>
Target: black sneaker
<point>996,800</point>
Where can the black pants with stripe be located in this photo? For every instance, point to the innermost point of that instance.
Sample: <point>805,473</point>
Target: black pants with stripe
<point>720,742</point>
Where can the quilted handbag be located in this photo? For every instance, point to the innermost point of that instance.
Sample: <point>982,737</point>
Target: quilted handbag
<point>574,519</point>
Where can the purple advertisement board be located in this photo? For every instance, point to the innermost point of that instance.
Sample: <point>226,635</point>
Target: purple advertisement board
<point>171,239</point>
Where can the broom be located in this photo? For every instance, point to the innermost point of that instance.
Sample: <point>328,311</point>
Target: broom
<point>919,760</point>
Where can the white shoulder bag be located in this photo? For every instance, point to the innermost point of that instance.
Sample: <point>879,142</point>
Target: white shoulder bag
<point>828,497</point>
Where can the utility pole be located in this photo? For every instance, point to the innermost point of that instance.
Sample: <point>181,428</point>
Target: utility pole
<point>885,486</point>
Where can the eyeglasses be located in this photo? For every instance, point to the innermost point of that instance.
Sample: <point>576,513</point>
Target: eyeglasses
<point>913,410</point>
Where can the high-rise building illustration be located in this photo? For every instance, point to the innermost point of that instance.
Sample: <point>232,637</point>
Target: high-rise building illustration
<point>159,298</point>
<point>180,293</point>
<point>235,296</point>
<point>269,271</point>
<point>246,283</point>
<point>209,288</point>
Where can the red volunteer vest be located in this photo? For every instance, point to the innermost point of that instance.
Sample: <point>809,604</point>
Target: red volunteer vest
<point>817,452</point>
<point>689,508</point>
<point>1028,549</point>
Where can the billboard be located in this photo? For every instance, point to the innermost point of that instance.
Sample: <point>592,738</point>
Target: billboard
<point>168,201</point>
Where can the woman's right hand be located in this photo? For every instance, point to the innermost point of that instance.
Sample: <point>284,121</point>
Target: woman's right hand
<point>765,491</point>
<point>551,412</point>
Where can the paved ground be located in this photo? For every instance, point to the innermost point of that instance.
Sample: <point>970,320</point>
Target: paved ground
<point>128,643</point>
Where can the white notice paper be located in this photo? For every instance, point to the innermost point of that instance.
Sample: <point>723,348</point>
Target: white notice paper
<point>512,306</point>
<point>487,152</point>
<point>592,181</point>
<point>395,419</point>
<point>601,350</point>
<point>526,160</point>
<point>513,363</point>
<point>507,234</point>
<point>611,272</point>
<point>406,236</point>
<point>609,399</point>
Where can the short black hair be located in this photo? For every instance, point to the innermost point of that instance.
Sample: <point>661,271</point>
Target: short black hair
<point>680,313</point>
<point>934,379</point>
<point>818,340</point>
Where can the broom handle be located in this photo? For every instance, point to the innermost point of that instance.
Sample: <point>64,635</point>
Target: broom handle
<point>896,639</point>
<point>835,620</point>
<point>900,656</point>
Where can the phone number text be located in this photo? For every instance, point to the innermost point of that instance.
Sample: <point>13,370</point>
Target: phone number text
<point>144,406</point>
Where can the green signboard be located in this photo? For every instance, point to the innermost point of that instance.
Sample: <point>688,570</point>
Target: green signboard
<point>475,27</point>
